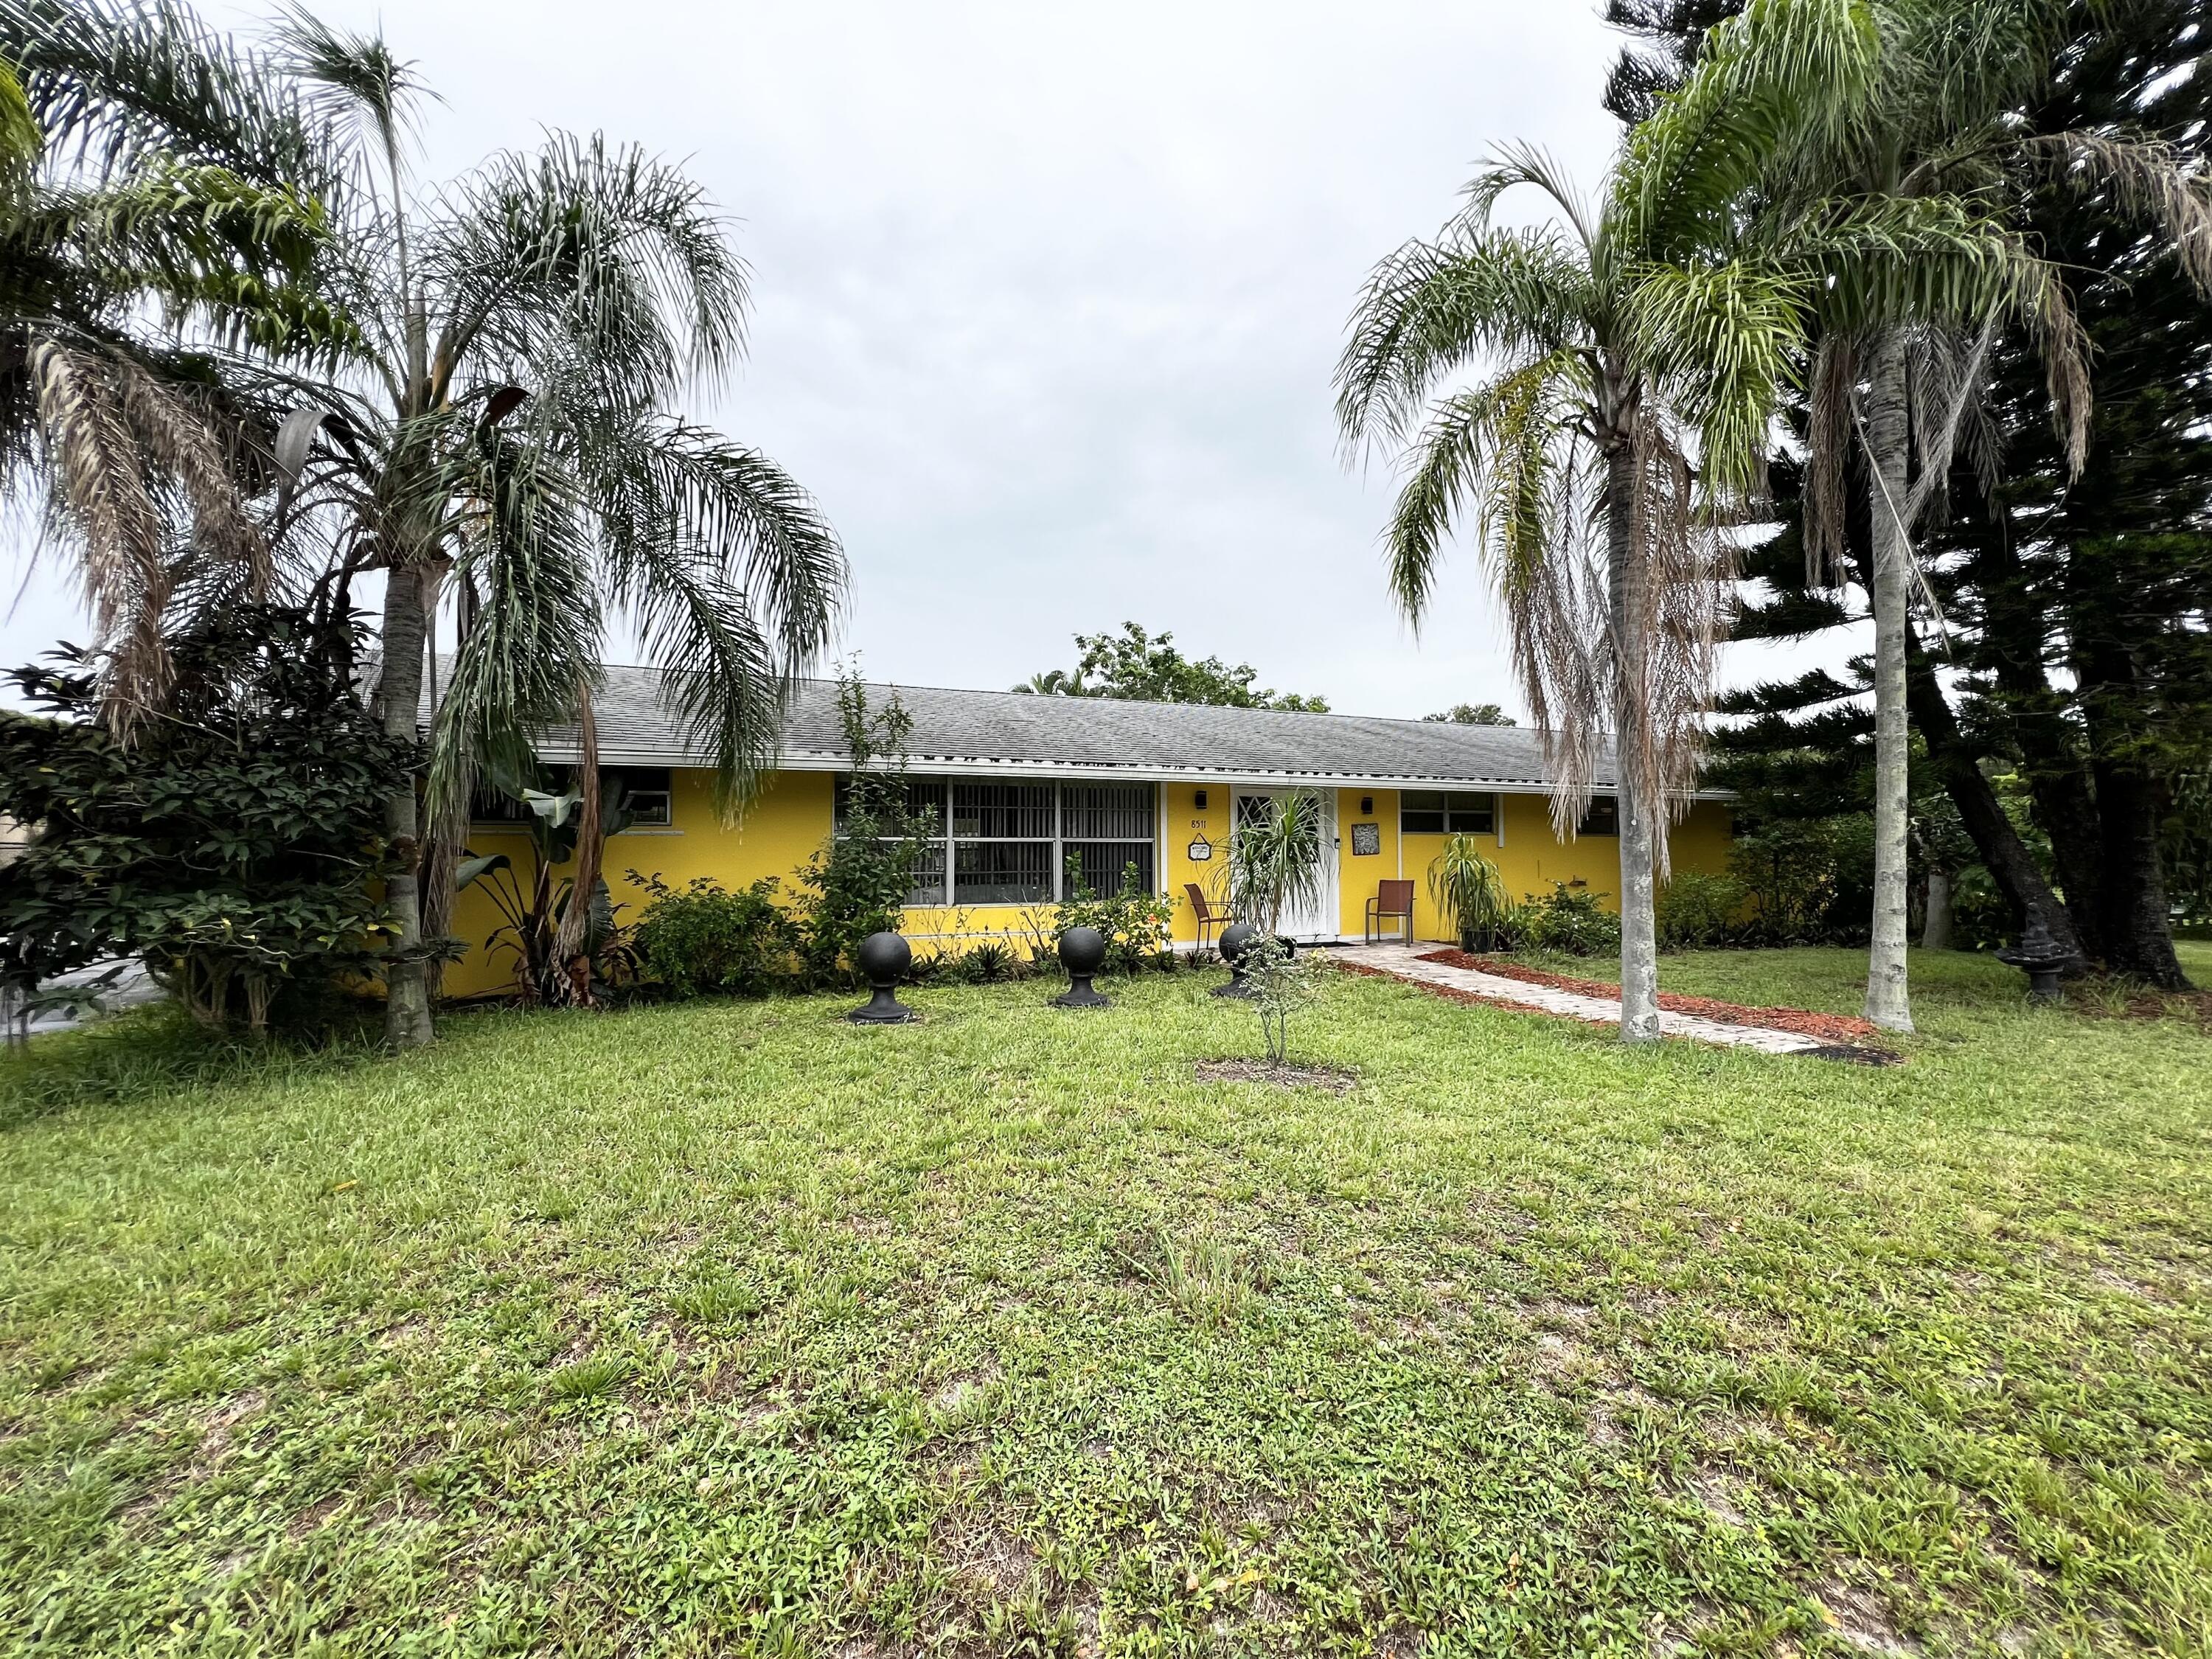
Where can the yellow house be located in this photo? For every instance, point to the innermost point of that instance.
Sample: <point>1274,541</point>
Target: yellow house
<point>1022,783</point>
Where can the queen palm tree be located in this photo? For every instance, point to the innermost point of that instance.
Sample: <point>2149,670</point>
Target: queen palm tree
<point>157,216</point>
<point>507,438</point>
<point>1903,330</point>
<point>1622,340</point>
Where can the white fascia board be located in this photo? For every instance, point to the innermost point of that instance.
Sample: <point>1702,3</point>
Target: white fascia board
<point>939,765</point>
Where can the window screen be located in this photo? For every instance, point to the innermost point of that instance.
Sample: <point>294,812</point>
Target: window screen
<point>646,792</point>
<point>1437,812</point>
<point>1603,817</point>
<point>1002,872</point>
<point>1105,828</point>
<point>1010,842</point>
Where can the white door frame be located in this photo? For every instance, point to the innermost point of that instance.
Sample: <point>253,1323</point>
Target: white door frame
<point>1322,923</point>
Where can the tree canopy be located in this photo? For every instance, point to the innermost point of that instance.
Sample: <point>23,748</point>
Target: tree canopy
<point>1135,665</point>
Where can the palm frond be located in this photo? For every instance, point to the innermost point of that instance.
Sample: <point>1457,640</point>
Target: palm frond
<point>1830,399</point>
<point>1687,566</point>
<point>1523,164</point>
<point>20,141</point>
<point>352,79</point>
<point>659,479</point>
<point>1722,340</point>
<point>1781,76</point>
<point>1432,308</point>
<point>136,467</point>
<point>609,259</point>
<point>732,577</point>
<point>2147,178</point>
<point>117,83</point>
<point>526,554</point>
<point>100,479</point>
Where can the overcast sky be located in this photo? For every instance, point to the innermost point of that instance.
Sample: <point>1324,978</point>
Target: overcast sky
<point>1048,297</point>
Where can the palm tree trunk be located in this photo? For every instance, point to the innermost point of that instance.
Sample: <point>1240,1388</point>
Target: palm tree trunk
<point>400,693</point>
<point>1936,934</point>
<point>571,940</point>
<point>1888,1003</point>
<point>1628,591</point>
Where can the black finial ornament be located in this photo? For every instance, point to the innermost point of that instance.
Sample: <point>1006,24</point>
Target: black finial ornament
<point>883,959</point>
<point>1083,953</point>
<point>2040,957</point>
<point>1236,940</point>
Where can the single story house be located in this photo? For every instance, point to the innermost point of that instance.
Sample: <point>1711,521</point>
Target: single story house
<point>1020,783</point>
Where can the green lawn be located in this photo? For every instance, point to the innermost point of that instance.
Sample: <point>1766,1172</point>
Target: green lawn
<point>728,1329</point>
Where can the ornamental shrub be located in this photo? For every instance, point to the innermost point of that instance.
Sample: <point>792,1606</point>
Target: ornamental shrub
<point>702,939</point>
<point>1135,921</point>
<point>1283,981</point>
<point>232,844</point>
<point>857,881</point>
<point>1701,912</point>
<point>1569,920</point>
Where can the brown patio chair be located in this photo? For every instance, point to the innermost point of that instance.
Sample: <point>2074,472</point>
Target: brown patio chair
<point>1393,903</point>
<point>1208,918</point>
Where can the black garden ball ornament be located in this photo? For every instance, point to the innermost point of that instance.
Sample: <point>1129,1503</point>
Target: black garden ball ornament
<point>1236,940</point>
<point>1083,953</point>
<point>883,959</point>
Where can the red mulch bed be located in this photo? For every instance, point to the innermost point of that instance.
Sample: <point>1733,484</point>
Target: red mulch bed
<point>1829,1028</point>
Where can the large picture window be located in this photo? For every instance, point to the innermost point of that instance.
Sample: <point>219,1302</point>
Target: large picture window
<point>1003,842</point>
<point>1435,812</point>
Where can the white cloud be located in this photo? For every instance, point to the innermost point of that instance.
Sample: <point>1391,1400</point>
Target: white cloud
<point>1048,298</point>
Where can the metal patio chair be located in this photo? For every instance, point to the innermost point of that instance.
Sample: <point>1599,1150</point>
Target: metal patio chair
<point>1208,918</point>
<point>1394,902</point>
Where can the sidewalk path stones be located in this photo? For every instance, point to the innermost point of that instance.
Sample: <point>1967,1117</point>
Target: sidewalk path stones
<point>1403,962</point>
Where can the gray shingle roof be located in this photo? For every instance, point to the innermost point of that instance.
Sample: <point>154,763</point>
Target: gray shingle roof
<point>992,731</point>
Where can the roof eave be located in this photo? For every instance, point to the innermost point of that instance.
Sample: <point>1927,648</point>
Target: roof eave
<point>986,766</point>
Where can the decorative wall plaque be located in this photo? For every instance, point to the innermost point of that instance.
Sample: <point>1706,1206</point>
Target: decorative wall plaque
<point>1366,840</point>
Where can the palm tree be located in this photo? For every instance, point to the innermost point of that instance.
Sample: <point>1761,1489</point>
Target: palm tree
<point>1904,328</point>
<point>146,169</point>
<point>505,438</point>
<point>1622,338</point>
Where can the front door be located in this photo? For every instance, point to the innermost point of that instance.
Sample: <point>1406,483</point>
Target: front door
<point>1316,919</point>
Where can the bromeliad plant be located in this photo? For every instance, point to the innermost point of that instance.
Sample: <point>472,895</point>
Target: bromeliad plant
<point>1468,890</point>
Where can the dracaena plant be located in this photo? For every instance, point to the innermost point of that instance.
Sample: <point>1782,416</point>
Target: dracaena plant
<point>1275,859</point>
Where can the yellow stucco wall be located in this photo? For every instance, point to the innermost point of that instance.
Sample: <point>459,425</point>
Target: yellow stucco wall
<point>780,829</point>
<point>1185,822</point>
<point>774,836</point>
<point>1529,855</point>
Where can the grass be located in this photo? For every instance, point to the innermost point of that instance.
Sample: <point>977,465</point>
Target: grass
<point>728,1329</point>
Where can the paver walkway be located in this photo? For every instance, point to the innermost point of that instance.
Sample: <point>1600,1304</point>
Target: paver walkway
<point>1403,962</point>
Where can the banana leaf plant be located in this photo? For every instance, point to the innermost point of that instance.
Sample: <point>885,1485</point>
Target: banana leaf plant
<point>532,912</point>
